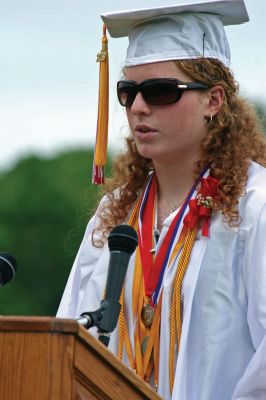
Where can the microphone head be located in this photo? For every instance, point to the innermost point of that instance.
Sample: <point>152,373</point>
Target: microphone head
<point>8,267</point>
<point>123,238</point>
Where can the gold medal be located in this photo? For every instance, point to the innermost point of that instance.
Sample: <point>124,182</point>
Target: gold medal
<point>147,315</point>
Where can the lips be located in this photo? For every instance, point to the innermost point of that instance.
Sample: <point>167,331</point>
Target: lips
<point>144,131</point>
<point>144,128</point>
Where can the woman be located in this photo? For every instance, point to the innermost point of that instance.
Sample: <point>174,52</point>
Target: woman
<point>193,184</point>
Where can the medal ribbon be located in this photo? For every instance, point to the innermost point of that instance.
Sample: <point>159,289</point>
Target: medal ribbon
<point>154,269</point>
<point>146,359</point>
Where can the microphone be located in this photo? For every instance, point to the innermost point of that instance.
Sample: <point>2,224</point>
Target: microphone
<point>122,242</point>
<point>8,267</point>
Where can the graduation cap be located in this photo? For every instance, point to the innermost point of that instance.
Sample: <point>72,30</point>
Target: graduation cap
<point>176,32</point>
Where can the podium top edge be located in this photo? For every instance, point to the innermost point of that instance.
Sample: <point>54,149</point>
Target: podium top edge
<point>38,324</point>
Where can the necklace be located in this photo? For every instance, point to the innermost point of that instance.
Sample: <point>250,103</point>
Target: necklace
<point>162,212</point>
<point>173,209</point>
<point>159,216</point>
<point>165,209</point>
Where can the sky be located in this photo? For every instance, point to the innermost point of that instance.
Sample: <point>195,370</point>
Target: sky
<point>49,77</point>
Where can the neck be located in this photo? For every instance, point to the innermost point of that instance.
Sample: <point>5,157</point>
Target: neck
<point>174,181</point>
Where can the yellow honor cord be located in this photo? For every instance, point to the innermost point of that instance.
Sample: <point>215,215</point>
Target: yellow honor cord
<point>176,304</point>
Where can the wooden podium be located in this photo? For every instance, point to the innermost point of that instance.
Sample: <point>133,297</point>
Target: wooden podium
<point>43,358</point>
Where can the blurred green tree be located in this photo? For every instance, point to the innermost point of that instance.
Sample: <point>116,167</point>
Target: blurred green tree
<point>45,205</point>
<point>261,112</point>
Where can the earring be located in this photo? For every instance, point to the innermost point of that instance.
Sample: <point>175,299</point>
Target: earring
<point>208,121</point>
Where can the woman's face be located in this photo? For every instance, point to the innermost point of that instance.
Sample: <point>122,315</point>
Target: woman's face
<point>167,133</point>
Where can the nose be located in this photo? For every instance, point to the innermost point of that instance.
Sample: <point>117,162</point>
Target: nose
<point>139,105</point>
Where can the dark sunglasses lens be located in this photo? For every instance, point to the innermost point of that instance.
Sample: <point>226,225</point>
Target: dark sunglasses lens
<point>161,92</point>
<point>155,92</point>
<point>126,92</point>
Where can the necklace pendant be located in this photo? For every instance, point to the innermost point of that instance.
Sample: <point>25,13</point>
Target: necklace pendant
<point>147,315</point>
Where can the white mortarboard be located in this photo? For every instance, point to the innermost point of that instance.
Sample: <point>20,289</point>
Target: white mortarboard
<point>181,31</point>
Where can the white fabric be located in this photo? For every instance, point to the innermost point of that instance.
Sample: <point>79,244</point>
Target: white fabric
<point>181,31</point>
<point>230,12</point>
<point>178,37</point>
<point>223,345</point>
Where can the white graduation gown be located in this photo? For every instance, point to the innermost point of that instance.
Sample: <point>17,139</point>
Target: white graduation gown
<point>223,346</point>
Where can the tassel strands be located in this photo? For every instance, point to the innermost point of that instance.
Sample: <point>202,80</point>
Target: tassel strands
<point>176,304</point>
<point>100,149</point>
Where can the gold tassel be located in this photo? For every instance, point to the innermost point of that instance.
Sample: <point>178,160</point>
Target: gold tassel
<point>100,149</point>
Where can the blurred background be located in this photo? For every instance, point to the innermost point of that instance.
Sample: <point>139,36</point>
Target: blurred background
<point>48,111</point>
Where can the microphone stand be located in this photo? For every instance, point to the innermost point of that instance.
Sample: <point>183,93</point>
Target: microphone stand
<point>105,319</point>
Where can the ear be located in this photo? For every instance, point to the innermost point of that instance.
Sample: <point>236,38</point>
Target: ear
<point>215,100</point>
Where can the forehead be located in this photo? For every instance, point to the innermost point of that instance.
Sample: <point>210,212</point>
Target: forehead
<point>166,69</point>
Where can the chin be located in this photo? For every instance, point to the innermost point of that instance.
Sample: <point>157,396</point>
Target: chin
<point>157,154</point>
<point>147,154</point>
<point>148,150</point>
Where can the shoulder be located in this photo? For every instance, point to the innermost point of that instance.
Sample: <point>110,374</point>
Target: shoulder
<point>105,206</point>
<point>256,183</point>
<point>254,198</point>
<point>88,252</point>
<point>256,178</point>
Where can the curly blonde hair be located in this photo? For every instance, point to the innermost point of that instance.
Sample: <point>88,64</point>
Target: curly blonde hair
<point>234,138</point>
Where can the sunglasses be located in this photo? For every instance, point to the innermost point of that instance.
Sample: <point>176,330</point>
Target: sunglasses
<point>158,91</point>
